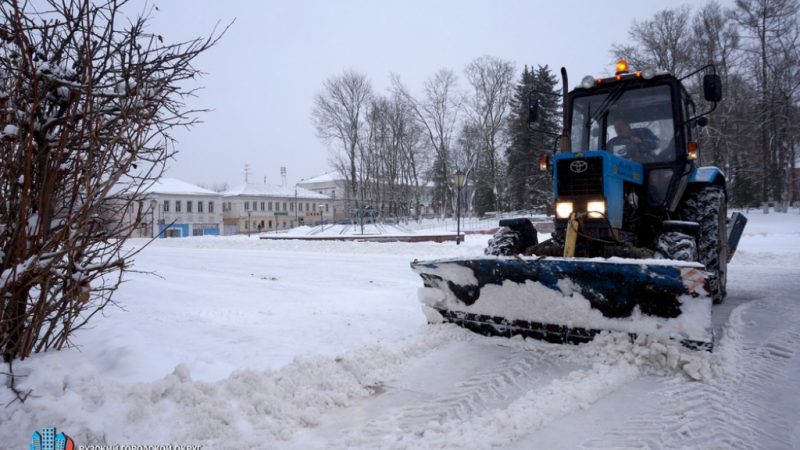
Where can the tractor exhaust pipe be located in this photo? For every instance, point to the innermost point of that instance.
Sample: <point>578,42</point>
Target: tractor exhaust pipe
<point>565,141</point>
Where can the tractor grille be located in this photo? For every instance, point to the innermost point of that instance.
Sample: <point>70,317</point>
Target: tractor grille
<point>588,182</point>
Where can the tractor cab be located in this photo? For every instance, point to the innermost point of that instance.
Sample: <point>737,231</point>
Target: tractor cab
<point>643,117</point>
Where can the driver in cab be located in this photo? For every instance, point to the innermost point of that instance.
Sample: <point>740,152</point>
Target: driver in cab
<point>630,142</point>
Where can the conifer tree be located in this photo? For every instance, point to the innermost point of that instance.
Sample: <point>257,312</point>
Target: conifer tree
<point>528,187</point>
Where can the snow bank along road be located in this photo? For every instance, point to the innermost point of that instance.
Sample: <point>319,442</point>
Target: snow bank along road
<point>243,343</point>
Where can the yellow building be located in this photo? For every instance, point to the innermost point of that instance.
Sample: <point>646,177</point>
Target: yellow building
<point>254,208</point>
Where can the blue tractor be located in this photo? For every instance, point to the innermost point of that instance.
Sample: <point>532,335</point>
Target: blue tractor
<point>642,238</point>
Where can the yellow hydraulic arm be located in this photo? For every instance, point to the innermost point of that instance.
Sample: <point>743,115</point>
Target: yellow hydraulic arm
<point>572,235</point>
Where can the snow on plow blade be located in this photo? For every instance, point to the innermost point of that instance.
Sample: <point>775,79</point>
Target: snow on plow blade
<point>569,299</point>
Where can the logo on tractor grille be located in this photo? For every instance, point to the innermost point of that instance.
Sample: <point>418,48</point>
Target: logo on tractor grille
<point>578,166</point>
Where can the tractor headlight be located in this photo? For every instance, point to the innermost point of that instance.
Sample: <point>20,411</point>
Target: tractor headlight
<point>563,210</point>
<point>596,209</point>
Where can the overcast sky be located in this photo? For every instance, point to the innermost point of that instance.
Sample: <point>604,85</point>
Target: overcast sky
<point>263,75</point>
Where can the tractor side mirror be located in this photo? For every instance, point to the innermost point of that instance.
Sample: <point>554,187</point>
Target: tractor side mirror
<point>533,109</point>
<point>712,87</point>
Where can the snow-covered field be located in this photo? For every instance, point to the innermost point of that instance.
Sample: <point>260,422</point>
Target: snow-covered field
<point>247,343</point>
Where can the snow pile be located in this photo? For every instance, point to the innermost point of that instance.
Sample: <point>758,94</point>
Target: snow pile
<point>10,131</point>
<point>244,410</point>
<point>653,355</point>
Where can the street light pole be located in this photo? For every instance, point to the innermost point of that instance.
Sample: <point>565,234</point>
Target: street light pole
<point>321,222</point>
<point>249,222</point>
<point>153,206</point>
<point>459,180</point>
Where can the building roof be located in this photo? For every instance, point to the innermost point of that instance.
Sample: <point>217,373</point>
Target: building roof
<point>271,190</point>
<point>174,186</point>
<point>324,178</point>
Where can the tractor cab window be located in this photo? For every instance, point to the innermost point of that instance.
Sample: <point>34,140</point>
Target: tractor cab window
<point>635,124</point>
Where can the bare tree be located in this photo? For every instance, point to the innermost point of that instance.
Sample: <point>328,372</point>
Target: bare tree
<point>662,42</point>
<point>771,31</point>
<point>438,112</point>
<point>492,82</point>
<point>86,110</point>
<point>408,138</point>
<point>339,114</point>
<point>715,40</point>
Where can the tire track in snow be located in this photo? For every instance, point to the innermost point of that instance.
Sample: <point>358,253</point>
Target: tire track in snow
<point>731,412</point>
<point>493,387</point>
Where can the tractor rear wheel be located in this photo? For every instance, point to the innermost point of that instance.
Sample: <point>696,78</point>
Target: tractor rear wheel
<point>707,206</point>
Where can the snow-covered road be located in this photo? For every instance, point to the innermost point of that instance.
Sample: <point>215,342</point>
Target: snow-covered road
<point>252,344</point>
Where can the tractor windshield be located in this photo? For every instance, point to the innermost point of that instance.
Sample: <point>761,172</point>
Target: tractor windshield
<point>636,124</point>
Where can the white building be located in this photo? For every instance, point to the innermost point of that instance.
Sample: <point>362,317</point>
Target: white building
<point>334,186</point>
<point>175,208</point>
<point>254,207</point>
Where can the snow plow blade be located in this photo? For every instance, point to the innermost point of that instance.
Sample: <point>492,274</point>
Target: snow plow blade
<point>569,300</point>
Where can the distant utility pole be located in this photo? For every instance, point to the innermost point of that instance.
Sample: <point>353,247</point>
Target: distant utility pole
<point>247,173</point>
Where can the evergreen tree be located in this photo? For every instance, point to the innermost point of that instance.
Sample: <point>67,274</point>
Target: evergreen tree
<point>528,187</point>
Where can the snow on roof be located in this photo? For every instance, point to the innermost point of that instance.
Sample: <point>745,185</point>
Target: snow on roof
<point>175,186</point>
<point>324,178</point>
<point>271,190</point>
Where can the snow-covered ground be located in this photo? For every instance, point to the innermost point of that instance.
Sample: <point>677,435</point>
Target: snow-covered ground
<point>248,343</point>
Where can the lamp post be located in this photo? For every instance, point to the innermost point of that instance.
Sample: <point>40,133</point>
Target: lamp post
<point>321,223</point>
<point>459,178</point>
<point>153,206</point>
<point>249,222</point>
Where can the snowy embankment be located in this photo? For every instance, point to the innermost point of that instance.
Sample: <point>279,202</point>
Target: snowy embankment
<point>242,343</point>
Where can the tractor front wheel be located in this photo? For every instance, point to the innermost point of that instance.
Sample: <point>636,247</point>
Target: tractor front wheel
<point>707,207</point>
<point>506,242</point>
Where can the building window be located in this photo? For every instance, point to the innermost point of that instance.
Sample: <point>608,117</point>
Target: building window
<point>291,206</point>
<point>166,205</point>
<point>199,207</point>
<point>177,206</point>
<point>269,205</point>
<point>262,206</point>
<point>211,207</point>
<point>308,207</point>
<point>326,207</point>
<point>247,206</point>
<point>284,208</point>
<point>188,206</point>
